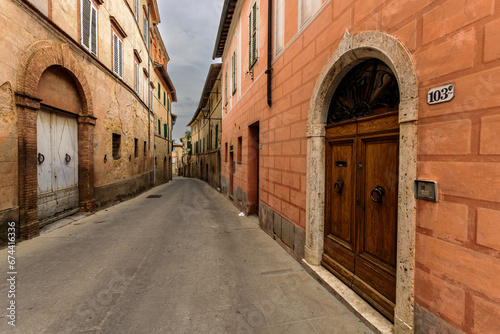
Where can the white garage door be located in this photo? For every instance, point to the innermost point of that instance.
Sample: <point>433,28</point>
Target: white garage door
<point>57,166</point>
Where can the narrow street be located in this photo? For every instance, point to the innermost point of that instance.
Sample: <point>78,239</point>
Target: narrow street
<point>183,262</point>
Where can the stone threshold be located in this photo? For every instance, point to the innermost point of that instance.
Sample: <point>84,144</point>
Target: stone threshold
<point>357,305</point>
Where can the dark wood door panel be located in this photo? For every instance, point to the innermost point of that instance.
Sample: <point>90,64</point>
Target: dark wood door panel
<point>343,255</point>
<point>341,183</point>
<point>374,297</point>
<point>361,219</point>
<point>379,196</point>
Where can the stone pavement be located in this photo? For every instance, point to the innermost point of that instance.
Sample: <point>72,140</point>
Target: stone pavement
<point>185,262</point>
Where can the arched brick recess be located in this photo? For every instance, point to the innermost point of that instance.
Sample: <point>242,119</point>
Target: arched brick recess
<point>352,50</point>
<point>34,61</point>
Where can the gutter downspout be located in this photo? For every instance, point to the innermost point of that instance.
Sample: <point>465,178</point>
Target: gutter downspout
<point>269,50</point>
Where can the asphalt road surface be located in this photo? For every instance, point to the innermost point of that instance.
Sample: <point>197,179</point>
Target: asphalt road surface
<point>183,261</point>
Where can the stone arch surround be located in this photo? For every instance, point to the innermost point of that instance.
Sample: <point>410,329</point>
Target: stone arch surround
<point>351,51</point>
<point>35,60</point>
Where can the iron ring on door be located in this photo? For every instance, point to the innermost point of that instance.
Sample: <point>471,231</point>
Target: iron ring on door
<point>337,187</point>
<point>68,158</point>
<point>41,158</point>
<point>377,194</point>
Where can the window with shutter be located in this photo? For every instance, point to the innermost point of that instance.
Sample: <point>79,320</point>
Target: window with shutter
<point>145,30</point>
<point>159,127</point>
<point>136,71</point>
<point>307,8</point>
<point>252,36</point>
<point>279,25</point>
<point>120,58</point>
<point>137,11</point>
<point>117,55</point>
<point>145,92</point>
<point>159,91</point>
<point>152,101</point>
<point>164,98</point>
<point>216,135</point>
<point>93,31</point>
<point>89,26</point>
<point>165,130</point>
<point>233,71</point>
<point>225,87</point>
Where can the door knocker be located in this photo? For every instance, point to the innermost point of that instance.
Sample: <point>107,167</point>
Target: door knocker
<point>337,187</point>
<point>377,194</point>
<point>68,158</point>
<point>41,158</point>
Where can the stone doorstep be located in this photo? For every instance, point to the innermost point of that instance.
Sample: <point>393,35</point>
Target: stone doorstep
<point>358,306</point>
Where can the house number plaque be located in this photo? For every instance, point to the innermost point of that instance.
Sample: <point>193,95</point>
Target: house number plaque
<point>441,94</point>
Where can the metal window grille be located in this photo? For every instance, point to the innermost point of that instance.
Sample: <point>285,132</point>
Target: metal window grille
<point>116,143</point>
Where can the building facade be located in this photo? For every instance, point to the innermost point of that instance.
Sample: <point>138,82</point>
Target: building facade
<point>206,131</point>
<point>177,166</point>
<point>82,107</point>
<point>186,154</point>
<point>332,110</point>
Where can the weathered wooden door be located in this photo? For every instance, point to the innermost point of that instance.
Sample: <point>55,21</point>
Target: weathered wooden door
<point>361,211</point>
<point>362,158</point>
<point>57,144</point>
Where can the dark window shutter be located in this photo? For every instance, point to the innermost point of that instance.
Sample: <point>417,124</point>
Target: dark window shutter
<point>159,127</point>
<point>250,42</point>
<point>254,34</point>
<point>216,135</point>
<point>165,130</point>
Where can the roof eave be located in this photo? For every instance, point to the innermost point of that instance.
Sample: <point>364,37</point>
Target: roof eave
<point>224,25</point>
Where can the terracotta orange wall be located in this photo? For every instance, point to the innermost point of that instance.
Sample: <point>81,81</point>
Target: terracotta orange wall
<point>458,247</point>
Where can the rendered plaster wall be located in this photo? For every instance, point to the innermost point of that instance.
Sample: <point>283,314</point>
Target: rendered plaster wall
<point>453,243</point>
<point>116,107</point>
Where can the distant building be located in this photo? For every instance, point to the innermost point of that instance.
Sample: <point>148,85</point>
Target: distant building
<point>75,90</point>
<point>186,155</point>
<point>177,160</point>
<point>332,110</point>
<point>206,131</point>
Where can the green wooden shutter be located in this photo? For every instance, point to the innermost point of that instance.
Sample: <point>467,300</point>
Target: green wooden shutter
<point>159,127</point>
<point>225,87</point>
<point>165,130</point>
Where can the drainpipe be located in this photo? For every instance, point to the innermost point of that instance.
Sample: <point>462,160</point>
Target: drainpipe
<point>149,85</point>
<point>269,49</point>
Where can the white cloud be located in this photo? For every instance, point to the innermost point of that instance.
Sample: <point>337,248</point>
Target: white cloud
<point>189,29</point>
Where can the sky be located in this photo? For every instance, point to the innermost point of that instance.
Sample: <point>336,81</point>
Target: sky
<point>189,29</point>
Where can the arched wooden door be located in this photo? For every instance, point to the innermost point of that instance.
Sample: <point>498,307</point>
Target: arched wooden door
<point>362,158</point>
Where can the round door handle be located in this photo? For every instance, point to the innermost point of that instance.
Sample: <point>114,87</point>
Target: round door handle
<point>41,158</point>
<point>337,187</point>
<point>68,157</point>
<point>377,194</point>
